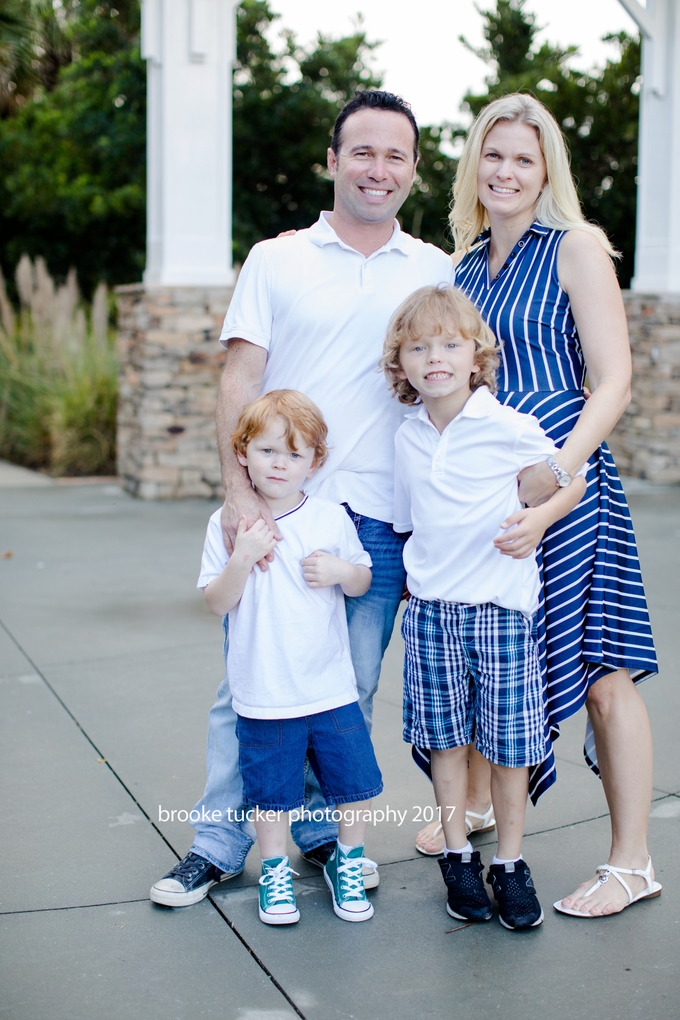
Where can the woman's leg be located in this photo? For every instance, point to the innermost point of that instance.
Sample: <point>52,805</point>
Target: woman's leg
<point>478,800</point>
<point>624,752</point>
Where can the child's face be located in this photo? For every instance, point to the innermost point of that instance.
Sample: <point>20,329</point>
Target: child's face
<point>275,471</point>
<point>439,366</point>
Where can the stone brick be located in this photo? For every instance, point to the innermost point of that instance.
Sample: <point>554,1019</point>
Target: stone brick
<point>170,369</point>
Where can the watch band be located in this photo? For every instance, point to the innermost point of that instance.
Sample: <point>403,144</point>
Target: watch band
<point>562,477</point>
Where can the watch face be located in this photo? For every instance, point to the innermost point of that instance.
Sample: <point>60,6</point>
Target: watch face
<point>564,481</point>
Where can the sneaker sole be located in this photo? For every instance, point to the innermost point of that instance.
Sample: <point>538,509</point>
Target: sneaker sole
<point>525,927</point>
<point>371,879</point>
<point>166,898</point>
<point>348,915</point>
<point>470,920</point>
<point>291,918</point>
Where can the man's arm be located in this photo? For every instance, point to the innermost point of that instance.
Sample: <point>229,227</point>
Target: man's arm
<point>240,384</point>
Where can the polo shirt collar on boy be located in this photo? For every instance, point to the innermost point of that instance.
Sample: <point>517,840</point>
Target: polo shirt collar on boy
<point>453,490</point>
<point>320,309</point>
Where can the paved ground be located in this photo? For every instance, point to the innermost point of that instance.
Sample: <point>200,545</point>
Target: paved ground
<point>108,666</point>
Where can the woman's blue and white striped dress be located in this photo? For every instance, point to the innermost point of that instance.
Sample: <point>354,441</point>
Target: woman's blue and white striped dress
<point>593,615</point>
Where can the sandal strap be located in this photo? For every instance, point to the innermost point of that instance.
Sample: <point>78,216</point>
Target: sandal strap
<point>611,869</point>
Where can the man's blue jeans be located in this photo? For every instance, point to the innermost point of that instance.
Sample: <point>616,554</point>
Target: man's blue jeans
<point>370,619</point>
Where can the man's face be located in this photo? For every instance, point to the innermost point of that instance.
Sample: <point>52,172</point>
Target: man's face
<point>374,170</point>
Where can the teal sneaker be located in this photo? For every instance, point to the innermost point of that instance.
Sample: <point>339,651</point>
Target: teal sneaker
<point>344,878</point>
<point>277,899</point>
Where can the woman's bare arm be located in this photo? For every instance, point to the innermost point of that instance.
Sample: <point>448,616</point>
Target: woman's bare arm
<point>587,277</point>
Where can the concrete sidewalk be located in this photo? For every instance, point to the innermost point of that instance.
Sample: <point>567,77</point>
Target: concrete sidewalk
<point>109,663</point>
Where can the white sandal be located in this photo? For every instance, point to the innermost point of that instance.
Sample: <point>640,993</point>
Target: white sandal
<point>605,870</point>
<point>487,820</point>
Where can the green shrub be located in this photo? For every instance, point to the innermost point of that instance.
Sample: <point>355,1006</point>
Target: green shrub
<point>58,377</point>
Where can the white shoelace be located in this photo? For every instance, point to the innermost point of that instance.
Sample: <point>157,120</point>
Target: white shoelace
<point>279,883</point>
<point>350,873</point>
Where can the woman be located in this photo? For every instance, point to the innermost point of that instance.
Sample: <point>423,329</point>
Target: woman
<point>543,279</point>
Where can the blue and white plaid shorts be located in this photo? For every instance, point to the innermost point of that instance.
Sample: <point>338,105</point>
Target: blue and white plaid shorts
<point>472,672</point>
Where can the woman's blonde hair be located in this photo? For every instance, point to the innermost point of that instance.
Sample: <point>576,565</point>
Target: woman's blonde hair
<point>430,311</point>
<point>558,205</point>
<point>301,417</point>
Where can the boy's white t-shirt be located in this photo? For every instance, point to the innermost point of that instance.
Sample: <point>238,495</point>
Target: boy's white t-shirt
<point>453,490</point>
<point>289,652</point>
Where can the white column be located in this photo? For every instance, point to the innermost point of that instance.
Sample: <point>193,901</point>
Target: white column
<point>657,249</point>
<point>190,49</point>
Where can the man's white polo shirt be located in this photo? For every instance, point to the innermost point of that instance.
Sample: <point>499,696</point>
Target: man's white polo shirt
<point>320,309</point>
<point>453,490</point>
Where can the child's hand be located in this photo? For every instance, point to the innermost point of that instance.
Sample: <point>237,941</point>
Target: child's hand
<point>527,529</point>
<point>253,544</point>
<point>320,569</point>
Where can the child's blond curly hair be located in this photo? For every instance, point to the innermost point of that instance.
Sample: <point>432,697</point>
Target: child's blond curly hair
<point>301,417</point>
<point>430,311</point>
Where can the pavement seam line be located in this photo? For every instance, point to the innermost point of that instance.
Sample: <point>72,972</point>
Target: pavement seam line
<point>76,906</point>
<point>87,737</point>
<point>255,957</point>
<point>233,928</point>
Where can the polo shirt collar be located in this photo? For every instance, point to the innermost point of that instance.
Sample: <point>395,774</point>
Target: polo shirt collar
<point>480,405</point>
<point>321,233</point>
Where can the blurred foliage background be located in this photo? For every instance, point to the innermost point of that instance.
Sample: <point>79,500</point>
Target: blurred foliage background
<point>72,179</point>
<point>72,130</point>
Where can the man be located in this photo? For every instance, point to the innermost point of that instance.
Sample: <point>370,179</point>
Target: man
<point>310,313</point>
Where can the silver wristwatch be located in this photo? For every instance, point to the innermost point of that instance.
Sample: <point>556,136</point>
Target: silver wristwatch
<point>562,477</point>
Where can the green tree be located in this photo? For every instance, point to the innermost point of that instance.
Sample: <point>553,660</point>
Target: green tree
<point>72,158</point>
<point>72,153</point>
<point>598,112</point>
<point>283,124</point>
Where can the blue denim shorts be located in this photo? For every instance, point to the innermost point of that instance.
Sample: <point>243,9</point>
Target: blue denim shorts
<point>472,672</point>
<point>272,755</point>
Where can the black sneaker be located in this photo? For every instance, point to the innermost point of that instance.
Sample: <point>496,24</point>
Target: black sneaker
<point>515,893</point>
<point>468,899</point>
<point>189,882</point>
<point>320,855</point>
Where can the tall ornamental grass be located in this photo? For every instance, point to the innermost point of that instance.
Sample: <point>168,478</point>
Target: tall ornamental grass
<point>58,376</point>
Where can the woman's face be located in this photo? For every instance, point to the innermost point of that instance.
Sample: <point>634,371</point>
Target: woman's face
<point>511,171</point>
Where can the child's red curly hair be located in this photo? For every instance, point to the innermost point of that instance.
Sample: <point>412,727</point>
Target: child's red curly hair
<point>302,418</point>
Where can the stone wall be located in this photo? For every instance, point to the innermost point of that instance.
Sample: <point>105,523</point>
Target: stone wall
<point>646,442</point>
<point>170,366</point>
<point>171,362</point>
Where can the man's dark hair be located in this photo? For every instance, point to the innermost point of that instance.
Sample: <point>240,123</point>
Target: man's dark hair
<point>373,99</point>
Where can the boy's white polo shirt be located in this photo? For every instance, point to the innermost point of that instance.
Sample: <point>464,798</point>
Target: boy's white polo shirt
<point>320,309</point>
<point>453,490</point>
<point>289,650</point>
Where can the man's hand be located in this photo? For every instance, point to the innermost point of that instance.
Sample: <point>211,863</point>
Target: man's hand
<point>527,528</point>
<point>536,484</point>
<point>321,570</point>
<point>247,505</point>
<point>253,543</point>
